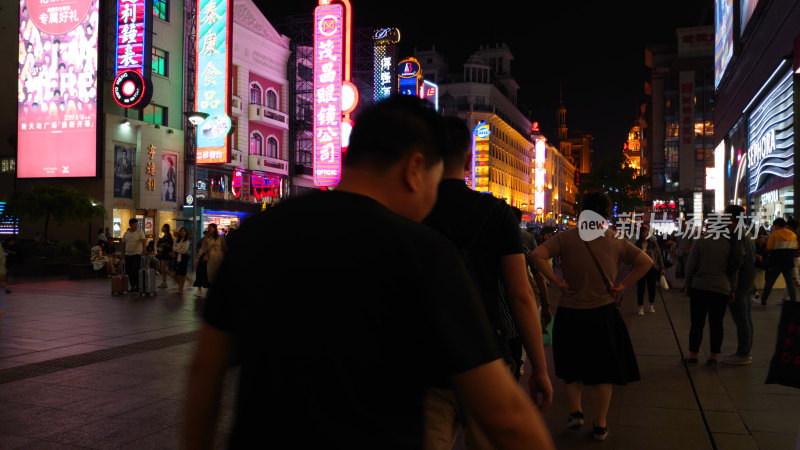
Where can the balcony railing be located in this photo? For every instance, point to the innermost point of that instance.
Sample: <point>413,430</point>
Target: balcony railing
<point>238,158</point>
<point>237,107</point>
<point>269,116</point>
<point>267,164</point>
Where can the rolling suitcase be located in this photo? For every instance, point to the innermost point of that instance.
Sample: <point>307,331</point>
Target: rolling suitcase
<point>147,279</point>
<point>120,283</point>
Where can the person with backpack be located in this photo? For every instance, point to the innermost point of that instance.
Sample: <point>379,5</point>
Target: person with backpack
<point>487,234</point>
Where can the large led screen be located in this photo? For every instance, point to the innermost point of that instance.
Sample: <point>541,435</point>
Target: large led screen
<point>57,89</point>
<point>723,39</point>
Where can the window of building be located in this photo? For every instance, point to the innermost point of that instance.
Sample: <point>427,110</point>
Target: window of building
<point>255,94</point>
<point>161,9</point>
<point>272,99</point>
<point>256,143</point>
<point>272,147</point>
<point>155,114</point>
<point>8,164</point>
<point>160,62</point>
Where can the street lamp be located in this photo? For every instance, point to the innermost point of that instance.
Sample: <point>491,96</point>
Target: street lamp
<point>195,118</point>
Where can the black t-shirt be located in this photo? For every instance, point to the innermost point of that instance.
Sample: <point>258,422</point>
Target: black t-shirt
<point>344,313</point>
<point>483,226</point>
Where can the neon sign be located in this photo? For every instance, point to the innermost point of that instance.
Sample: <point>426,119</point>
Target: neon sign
<point>328,65</point>
<point>480,157</point>
<point>236,183</point>
<point>539,174</point>
<point>770,156</point>
<point>131,86</point>
<point>430,91</point>
<point>266,186</point>
<point>212,91</point>
<point>409,74</point>
<point>57,89</point>
<point>386,40</point>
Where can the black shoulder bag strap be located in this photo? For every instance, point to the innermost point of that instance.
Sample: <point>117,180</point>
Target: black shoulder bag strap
<point>609,284</point>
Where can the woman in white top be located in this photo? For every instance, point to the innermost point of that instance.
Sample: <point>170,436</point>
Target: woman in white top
<point>213,248</point>
<point>181,249</point>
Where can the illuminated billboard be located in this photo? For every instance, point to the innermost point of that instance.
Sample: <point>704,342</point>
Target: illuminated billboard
<point>770,153</point>
<point>723,41</point>
<point>430,91</point>
<point>132,87</point>
<point>57,89</point>
<point>409,74</point>
<point>385,66</point>
<point>480,157</point>
<point>746,9</point>
<point>212,92</point>
<point>328,34</point>
<point>539,176</point>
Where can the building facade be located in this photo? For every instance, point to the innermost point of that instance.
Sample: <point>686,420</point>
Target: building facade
<point>757,63</point>
<point>486,92</point>
<point>577,146</point>
<point>678,136</point>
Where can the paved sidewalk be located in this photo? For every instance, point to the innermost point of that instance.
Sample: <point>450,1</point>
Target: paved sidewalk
<point>80,368</point>
<point>675,408</point>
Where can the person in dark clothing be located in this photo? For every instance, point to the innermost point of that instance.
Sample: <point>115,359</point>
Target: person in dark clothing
<point>201,263</point>
<point>392,311</point>
<point>781,247</point>
<point>740,307</point>
<point>487,231</point>
<point>648,244</point>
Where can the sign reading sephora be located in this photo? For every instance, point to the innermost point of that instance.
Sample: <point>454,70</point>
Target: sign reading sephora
<point>770,154</point>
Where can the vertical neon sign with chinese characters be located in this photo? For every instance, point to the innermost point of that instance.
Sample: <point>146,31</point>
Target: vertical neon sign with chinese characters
<point>328,33</point>
<point>57,88</point>
<point>386,40</point>
<point>212,92</point>
<point>480,157</point>
<point>132,36</point>
<point>539,175</point>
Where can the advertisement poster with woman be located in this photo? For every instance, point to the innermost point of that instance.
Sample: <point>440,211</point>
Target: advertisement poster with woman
<point>123,171</point>
<point>169,177</point>
<point>57,88</point>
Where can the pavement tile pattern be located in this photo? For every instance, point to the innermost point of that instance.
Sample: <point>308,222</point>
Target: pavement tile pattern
<point>116,399</point>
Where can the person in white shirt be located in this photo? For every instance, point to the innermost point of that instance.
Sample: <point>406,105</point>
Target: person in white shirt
<point>133,247</point>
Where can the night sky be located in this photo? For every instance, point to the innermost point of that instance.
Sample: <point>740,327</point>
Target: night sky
<point>593,50</point>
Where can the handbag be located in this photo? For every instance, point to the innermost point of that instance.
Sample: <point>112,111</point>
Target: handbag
<point>784,368</point>
<point>609,285</point>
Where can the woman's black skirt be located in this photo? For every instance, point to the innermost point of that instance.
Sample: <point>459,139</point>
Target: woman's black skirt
<point>593,346</point>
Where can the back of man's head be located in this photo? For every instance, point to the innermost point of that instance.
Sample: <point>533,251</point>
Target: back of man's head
<point>517,213</point>
<point>779,222</point>
<point>459,140</point>
<point>393,128</point>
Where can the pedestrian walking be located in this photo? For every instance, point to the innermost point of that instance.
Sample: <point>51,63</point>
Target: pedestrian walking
<point>214,250</point>
<point>165,253</point>
<point>201,263</point>
<point>134,248</point>
<point>710,282</point>
<point>792,224</point>
<point>648,244</point>
<point>487,232</point>
<point>781,248</point>
<point>343,359</point>
<point>591,345</point>
<point>181,249</point>
<point>741,305</point>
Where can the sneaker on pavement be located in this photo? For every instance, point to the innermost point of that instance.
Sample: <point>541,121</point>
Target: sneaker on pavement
<point>757,301</point>
<point>641,312</point>
<point>599,433</point>
<point>575,420</point>
<point>735,359</point>
<point>652,309</point>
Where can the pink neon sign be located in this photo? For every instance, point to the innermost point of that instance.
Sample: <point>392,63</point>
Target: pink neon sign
<point>131,17</point>
<point>539,175</point>
<point>328,32</point>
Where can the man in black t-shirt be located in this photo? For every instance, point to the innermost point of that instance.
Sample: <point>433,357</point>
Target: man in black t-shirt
<point>488,234</point>
<point>340,336</point>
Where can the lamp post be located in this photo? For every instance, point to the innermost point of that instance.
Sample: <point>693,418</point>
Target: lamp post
<point>195,118</point>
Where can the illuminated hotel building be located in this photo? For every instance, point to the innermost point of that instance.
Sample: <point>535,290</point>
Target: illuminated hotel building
<point>757,63</point>
<point>678,148</point>
<point>485,91</point>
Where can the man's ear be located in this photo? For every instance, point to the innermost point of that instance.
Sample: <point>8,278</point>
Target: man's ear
<point>413,170</point>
